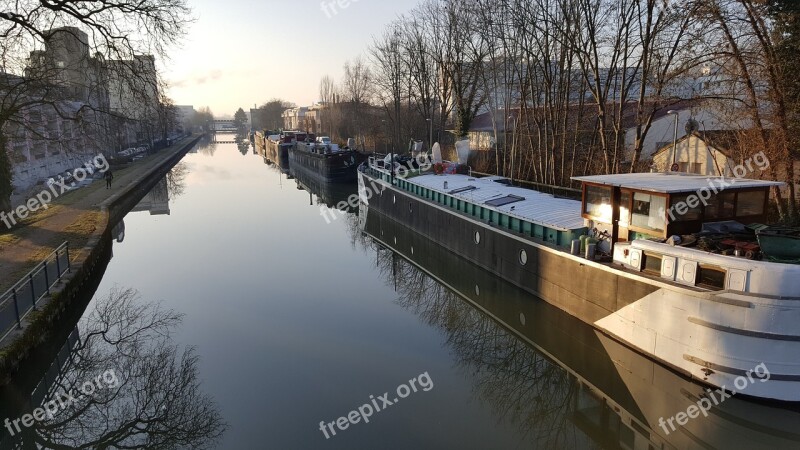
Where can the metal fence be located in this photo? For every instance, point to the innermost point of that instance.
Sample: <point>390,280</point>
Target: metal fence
<point>21,299</point>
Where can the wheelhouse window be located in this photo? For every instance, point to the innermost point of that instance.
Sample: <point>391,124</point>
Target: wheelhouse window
<point>625,209</point>
<point>721,206</point>
<point>685,208</point>
<point>597,203</point>
<point>750,203</point>
<point>649,212</point>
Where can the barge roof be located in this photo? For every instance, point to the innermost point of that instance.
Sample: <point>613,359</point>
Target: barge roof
<point>674,182</point>
<point>536,207</point>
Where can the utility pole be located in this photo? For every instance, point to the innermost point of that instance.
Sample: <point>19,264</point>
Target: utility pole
<point>430,136</point>
<point>672,112</point>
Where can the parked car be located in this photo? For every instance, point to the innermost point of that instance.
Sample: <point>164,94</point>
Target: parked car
<point>57,179</point>
<point>325,140</point>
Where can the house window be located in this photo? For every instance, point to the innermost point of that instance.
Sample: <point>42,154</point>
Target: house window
<point>690,167</point>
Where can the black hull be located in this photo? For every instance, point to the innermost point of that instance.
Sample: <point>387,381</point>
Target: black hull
<point>608,375</point>
<point>339,167</point>
<point>332,195</point>
<point>580,289</point>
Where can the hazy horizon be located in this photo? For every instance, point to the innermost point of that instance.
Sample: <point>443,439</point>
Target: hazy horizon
<point>285,48</point>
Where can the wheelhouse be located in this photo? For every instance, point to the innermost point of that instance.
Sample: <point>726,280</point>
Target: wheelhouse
<point>659,205</point>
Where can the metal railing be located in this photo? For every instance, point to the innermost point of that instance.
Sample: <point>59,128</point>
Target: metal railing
<point>17,302</point>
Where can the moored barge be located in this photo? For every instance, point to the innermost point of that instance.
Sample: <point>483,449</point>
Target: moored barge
<point>618,389</point>
<point>706,313</point>
<point>274,147</point>
<point>327,162</point>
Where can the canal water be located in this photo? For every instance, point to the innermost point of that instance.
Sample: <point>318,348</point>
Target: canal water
<point>291,319</point>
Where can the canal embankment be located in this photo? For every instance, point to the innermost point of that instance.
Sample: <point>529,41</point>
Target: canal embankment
<point>85,220</point>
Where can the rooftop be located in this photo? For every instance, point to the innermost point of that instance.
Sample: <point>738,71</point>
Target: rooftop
<point>532,206</point>
<point>674,182</point>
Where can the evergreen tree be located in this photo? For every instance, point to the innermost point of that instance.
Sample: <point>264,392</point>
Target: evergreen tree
<point>240,119</point>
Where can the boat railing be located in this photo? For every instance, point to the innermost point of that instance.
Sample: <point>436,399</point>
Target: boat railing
<point>557,191</point>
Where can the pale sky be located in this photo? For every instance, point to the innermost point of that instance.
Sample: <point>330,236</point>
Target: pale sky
<point>245,52</point>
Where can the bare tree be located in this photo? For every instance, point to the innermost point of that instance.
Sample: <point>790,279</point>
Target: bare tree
<point>116,31</point>
<point>327,96</point>
<point>145,390</point>
<point>739,35</point>
<point>357,89</point>
<point>271,113</point>
<point>390,74</point>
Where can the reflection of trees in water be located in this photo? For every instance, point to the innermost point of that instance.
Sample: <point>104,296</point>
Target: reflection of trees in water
<point>208,147</point>
<point>157,402</point>
<point>358,240</point>
<point>523,387</point>
<point>243,143</point>
<point>176,180</point>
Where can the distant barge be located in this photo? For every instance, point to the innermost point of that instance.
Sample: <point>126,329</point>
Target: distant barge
<point>324,161</point>
<point>274,147</point>
<point>711,316</point>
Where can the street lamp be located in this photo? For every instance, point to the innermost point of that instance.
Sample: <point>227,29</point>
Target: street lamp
<point>672,112</point>
<point>513,144</point>
<point>430,140</point>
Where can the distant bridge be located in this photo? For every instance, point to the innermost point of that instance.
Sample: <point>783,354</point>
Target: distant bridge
<point>223,126</point>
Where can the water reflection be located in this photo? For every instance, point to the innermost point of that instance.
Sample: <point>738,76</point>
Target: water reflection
<point>563,384</point>
<point>118,232</point>
<point>243,143</point>
<point>145,393</point>
<point>328,194</point>
<point>156,201</point>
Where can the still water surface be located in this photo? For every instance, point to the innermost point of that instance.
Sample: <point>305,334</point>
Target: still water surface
<point>295,321</point>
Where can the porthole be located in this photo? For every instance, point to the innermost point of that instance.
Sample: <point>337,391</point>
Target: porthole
<point>412,250</point>
<point>394,199</point>
<point>410,207</point>
<point>477,290</point>
<point>522,318</point>
<point>523,257</point>
<point>477,237</point>
<point>395,240</point>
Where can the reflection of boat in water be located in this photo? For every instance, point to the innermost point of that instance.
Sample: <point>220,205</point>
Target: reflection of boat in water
<point>558,378</point>
<point>330,194</point>
<point>274,148</point>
